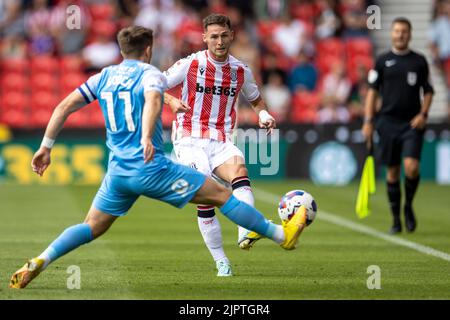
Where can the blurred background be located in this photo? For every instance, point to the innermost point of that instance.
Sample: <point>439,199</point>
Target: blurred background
<point>310,59</point>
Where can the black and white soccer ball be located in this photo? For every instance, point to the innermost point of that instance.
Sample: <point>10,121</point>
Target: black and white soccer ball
<point>292,200</point>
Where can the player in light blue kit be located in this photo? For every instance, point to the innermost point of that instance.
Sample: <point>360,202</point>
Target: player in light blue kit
<point>130,95</point>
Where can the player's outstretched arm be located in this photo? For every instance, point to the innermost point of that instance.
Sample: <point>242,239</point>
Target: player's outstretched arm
<point>176,105</point>
<point>152,110</point>
<point>266,121</point>
<point>41,159</point>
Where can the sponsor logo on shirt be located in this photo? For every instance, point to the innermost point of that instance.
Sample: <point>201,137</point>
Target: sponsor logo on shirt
<point>218,90</point>
<point>390,63</point>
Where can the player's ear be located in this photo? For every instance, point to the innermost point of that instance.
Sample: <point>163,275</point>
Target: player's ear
<point>204,37</point>
<point>232,35</point>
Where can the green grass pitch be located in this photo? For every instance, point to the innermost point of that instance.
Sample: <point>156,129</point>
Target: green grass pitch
<point>156,251</point>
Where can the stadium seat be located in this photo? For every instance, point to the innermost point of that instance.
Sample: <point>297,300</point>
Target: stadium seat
<point>13,81</point>
<point>71,81</point>
<point>96,119</point>
<point>14,109</point>
<point>43,100</point>
<point>17,65</point>
<point>45,63</point>
<point>305,11</point>
<point>265,28</point>
<point>44,81</point>
<point>78,119</point>
<point>358,47</point>
<point>40,118</point>
<point>71,63</point>
<point>104,28</point>
<point>304,107</point>
<point>101,11</point>
<point>331,47</point>
<point>324,63</point>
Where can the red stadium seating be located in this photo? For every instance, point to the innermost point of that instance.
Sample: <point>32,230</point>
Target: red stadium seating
<point>71,63</point>
<point>17,65</point>
<point>96,118</point>
<point>14,109</point>
<point>304,107</point>
<point>324,63</point>
<point>44,82</point>
<point>13,81</point>
<point>43,100</point>
<point>47,64</point>
<point>331,47</point>
<point>358,47</point>
<point>102,11</point>
<point>71,81</point>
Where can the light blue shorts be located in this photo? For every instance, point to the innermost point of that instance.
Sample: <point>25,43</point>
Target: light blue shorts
<point>176,185</point>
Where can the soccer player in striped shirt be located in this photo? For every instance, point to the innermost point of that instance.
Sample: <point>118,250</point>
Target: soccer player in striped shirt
<point>206,116</point>
<point>130,96</point>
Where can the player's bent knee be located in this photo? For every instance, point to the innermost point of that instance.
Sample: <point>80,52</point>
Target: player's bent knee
<point>99,222</point>
<point>212,193</point>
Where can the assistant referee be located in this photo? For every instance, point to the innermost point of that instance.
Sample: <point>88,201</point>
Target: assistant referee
<point>399,76</point>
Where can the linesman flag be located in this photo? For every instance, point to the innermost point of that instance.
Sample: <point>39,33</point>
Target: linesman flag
<point>366,186</point>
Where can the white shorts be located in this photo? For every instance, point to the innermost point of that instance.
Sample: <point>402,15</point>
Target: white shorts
<point>204,155</point>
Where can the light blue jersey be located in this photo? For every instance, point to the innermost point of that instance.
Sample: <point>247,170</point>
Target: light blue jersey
<point>120,90</point>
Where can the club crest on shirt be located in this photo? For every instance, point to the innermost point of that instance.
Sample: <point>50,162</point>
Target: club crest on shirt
<point>411,78</point>
<point>233,76</point>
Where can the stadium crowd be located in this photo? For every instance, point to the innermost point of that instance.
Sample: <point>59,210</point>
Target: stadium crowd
<point>310,57</point>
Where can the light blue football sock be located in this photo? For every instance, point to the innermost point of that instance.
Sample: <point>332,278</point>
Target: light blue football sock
<point>248,217</point>
<point>70,239</point>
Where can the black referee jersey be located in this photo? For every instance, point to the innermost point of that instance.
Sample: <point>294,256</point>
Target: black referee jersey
<point>398,79</point>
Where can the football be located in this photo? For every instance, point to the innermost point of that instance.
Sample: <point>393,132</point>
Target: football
<point>292,200</point>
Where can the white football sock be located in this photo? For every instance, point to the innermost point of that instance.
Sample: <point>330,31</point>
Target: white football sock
<point>244,194</point>
<point>212,235</point>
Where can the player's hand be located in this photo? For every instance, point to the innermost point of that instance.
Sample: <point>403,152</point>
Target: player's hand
<point>266,121</point>
<point>149,151</point>
<point>41,160</point>
<point>418,122</point>
<point>178,106</point>
<point>367,131</point>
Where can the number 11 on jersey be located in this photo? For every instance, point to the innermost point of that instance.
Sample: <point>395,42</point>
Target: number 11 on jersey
<point>126,97</point>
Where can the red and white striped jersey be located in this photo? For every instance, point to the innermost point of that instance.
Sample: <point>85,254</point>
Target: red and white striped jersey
<point>211,89</point>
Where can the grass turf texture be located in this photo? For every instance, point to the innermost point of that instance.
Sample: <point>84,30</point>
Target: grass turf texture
<point>156,251</point>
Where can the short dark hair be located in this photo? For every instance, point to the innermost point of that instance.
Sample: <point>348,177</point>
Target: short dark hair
<point>134,40</point>
<point>216,18</point>
<point>402,20</point>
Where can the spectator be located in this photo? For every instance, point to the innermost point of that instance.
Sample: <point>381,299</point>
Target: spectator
<point>247,52</point>
<point>335,93</point>
<point>304,75</point>
<point>328,23</point>
<point>104,50</point>
<point>290,36</point>
<point>13,46</point>
<point>358,94</point>
<point>270,9</point>
<point>38,27</point>
<point>440,38</point>
<point>277,97</point>
<point>355,18</point>
<point>11,18</point>
<point>69,40</point>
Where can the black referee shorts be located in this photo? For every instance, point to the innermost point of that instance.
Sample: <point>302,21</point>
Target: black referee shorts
<point>398,139</point>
